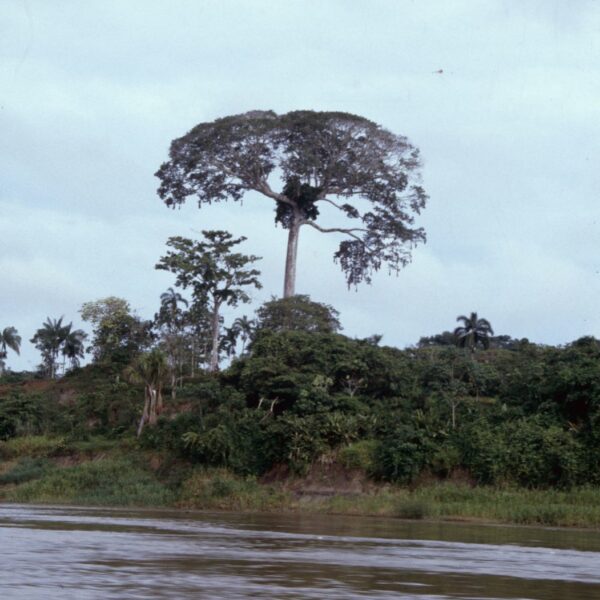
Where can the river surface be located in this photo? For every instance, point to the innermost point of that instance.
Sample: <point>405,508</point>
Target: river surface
<point>81,553</point>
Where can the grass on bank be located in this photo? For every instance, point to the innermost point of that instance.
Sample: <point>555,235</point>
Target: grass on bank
<point>25,469</point>
<point>218,489</point>
<point>110,473</point>
<point>578,507</point>
<point>43,446</point>
<point>104,482</point>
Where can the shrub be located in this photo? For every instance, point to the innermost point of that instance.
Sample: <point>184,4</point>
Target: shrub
<point>293,440</point>
<point>401,455</point>
<point>359,455</point>
<point>541,456</point>
<point>19,415</point>
<point>482,452</point>
<point>168,433</point>
<point>445,459</point>
<point>528,452</point>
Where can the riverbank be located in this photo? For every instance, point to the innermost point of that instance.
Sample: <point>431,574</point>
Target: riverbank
<point>100,472</point>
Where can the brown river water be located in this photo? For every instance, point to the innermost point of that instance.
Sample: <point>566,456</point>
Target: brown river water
<point>49,552</point>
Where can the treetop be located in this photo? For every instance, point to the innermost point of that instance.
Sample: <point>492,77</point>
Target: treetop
<point>332,159</point>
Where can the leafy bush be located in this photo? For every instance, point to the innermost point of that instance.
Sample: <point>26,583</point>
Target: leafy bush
<point>445,459</point>
<point>359,455</point>
<point>541,456</point>
<point>168,433</point>
<point>233,441</point>
<point>401,455</point>
<point>19,415</point>
<point>528,452</point>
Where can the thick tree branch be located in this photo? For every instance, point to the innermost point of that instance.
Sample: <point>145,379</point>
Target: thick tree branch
<point>349,231</point>
<point>323,199</point>
<point>264,188</point>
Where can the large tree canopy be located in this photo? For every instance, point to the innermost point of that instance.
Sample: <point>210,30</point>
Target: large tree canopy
<point>305,160</point>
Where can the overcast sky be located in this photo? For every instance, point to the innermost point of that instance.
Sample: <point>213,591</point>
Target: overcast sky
<point>92,93</point>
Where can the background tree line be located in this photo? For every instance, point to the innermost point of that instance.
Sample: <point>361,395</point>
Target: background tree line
<point>517,413</point>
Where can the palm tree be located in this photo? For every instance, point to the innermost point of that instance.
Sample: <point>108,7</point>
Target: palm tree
<point>228,341</point>
<point>49,339</point>
<point>171,319</point>
<point>73,347</point>
<point>150,369</point>
<point>169,307</point>
<point>472,332</point>
<point>9,338</point>
<point>245,328</point>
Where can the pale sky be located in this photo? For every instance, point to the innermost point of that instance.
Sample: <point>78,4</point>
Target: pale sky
<point>92,93</point>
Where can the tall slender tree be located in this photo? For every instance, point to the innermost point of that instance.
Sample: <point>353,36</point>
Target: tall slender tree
<point>216,274</point>
<point>170,312</point>
<point>73,348</point>
<point>151,370</point>
<point>199,321</point>
<point>228,341</point>
<point>170,321</point>
<point>245,329</point>
<point>9,339</point>
<point>367,176</point>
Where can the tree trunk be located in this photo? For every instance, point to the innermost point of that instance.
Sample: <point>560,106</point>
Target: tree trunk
<point>192,369</point>
<point>159,399</point>
<point>289,284</point>
<point>152,414</point>
<point>144,412</point>
<point>52,365</point>
<point>214,351</point>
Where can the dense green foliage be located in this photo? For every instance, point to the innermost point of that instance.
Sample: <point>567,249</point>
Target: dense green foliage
<point>217,276</point>
<point>297,313</point>
<point>119,335</point>
<point>529,416</point>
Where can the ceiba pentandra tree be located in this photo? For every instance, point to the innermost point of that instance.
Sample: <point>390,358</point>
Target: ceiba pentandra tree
<point>304,160</point>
